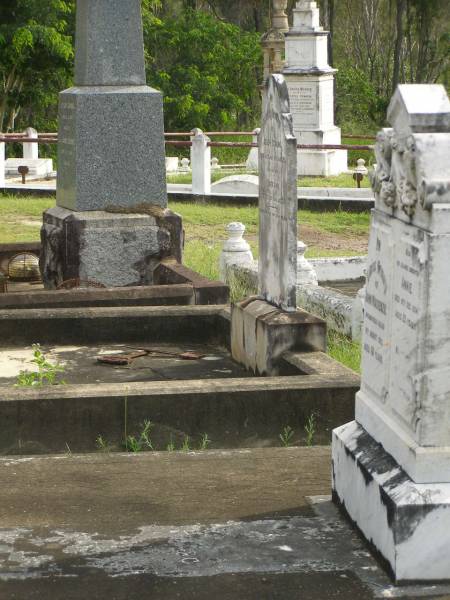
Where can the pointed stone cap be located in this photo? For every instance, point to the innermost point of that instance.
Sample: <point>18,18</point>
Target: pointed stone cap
<point>109,45</point>
<point>419,108</point>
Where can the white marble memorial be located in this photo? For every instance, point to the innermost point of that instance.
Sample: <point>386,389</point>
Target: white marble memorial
<point>310,81</point>
<point>391,469</point>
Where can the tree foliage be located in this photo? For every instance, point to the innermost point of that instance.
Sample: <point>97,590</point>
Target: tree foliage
<point>205,56</point>
<point>208,70</point>
<point>35,59</point>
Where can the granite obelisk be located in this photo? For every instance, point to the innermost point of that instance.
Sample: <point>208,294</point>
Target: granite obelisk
<point>110,222</point>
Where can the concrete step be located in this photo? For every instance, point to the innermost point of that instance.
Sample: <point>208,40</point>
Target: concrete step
<point>217,524</point>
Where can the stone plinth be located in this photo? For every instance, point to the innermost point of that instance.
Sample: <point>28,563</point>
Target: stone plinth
<point>111,148</point>
<point>261,333</point>
<point>400,443</point>
<point>113,249</point>
<point>310,81</point>
<point>407,522</point>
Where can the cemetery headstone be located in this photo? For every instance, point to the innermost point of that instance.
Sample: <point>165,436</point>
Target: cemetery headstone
<point>264,327</point>
<point>277,199</point>
<point>391,467</point>
<point>111,222</point>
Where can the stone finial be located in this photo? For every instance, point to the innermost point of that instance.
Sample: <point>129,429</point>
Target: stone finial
<point>109,43</point>
<point>280,20</point>
<point>184,167</point>
<point>215,164</point>
<point>305,271</point>
<point>235,249</point>
<point>361,166</point>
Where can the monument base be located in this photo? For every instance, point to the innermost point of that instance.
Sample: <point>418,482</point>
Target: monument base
<point>406,522</point>
<point>261,333</point>
<point>324,163</point>
<point>113,249</point>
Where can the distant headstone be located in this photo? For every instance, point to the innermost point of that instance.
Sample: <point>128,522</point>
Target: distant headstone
<point>240,185</point>
<point>277,199</point>
<point>310,81</point>
<point>111,139</point>
<point>392,465</point>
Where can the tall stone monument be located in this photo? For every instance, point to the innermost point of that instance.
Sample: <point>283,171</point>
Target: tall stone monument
<point>264,327</point>
<point>273,41</point>
<point>391,466</point>
<point>310,81</point>
<point>111,222</point>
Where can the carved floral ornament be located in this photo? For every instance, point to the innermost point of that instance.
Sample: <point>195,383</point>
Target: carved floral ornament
<point>395,181</point>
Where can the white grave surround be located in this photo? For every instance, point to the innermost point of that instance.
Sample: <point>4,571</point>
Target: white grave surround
<point>310,81</point>
<point>38,167</point>
<point>391,467</point>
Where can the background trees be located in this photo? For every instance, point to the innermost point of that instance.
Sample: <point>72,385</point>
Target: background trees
<point>205,56</point>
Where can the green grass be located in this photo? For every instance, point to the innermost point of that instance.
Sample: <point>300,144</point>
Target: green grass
<point>339,181</point>
<point>344,350</point>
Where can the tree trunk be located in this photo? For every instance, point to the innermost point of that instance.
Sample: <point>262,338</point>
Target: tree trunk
<point>401,8</point>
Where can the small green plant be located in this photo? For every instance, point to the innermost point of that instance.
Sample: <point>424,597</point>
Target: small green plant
<point>137,444</point>
<point>286,436</point>
<point>186,444</point>
<point>310,429</point>
<point>205,442</point>
<point>46,374</point>
<point>102,444</point>
<point>170,446</point>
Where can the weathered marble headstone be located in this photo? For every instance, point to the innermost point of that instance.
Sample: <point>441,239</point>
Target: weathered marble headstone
<point>111,159</point>
<point>277,199</point>
<point>392,465</point>
<point>264,327</point>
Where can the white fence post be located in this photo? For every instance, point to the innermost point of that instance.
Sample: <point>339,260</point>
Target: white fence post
<point>2,164</point>
<point>31,149</point>
<point>252,160</point>
<point>200,163</point>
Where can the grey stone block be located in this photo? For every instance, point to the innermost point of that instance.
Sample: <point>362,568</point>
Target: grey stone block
<point>109,47</point>
<point>111,148</point>
<point>108,248</point>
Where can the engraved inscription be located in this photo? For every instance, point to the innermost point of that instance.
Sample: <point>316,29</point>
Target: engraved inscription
<point>304,105</point>
<point>377,312</point>
<point>408,288</point>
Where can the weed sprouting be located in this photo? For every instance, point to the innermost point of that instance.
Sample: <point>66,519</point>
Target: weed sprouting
<point>205,442</point>
<point>186,444</point>
<point>142,442</point>
<point>310,429</point>
<point>286,436</point>
<point>46,373</point>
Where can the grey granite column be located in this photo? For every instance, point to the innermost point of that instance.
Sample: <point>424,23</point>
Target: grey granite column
<point>111,158</point>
